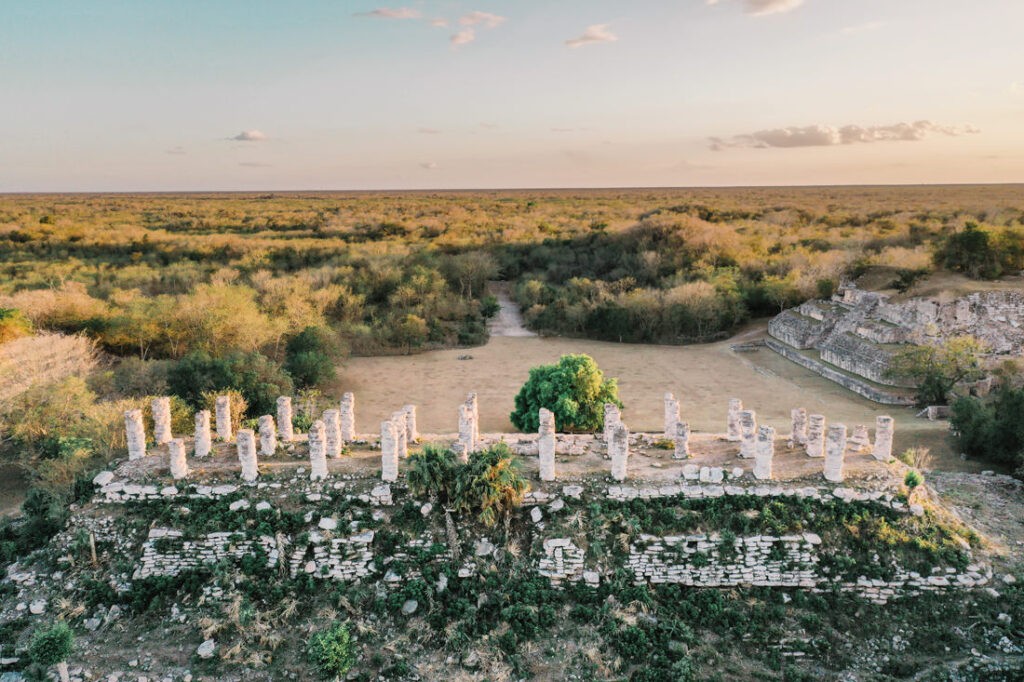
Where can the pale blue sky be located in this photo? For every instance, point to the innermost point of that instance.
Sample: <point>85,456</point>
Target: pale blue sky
<point>146,95</point>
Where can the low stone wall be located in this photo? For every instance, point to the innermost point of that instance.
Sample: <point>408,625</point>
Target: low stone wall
<point>858,356</point>
<point>795,329</point>
<point>165,553</point>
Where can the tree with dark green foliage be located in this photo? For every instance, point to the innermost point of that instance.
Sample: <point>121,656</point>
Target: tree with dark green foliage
<point>574,389</point>
<point>51,647</point>
<point>991,429</point>
<point>331,651</point>
<point>258,378</point>
<point>982,253</point>
<point>938,368</point>
<point>431,473</point>
<point>311,355</point>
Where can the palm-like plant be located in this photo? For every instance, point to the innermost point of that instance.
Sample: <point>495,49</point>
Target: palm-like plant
<point>490,485</point>
<point>431,473</point>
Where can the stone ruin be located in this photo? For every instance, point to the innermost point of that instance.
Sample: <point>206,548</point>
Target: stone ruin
<point>851,338</point>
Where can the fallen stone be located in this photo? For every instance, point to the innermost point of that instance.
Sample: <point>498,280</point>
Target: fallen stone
<point>206,649</point>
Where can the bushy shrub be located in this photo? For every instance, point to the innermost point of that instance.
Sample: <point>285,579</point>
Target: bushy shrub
<point>331,651</point>
<point>913,479</point>
<point>259,379</point>
<point>135,378</point>
<point>13,324</point>
<point>574,389</point>
<point>311,356</point>
<point>237,402</point>
<point>991,429</point>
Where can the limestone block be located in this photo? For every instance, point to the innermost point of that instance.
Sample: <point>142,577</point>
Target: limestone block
<point>203,439</point>
<point>765,453</point>
<point>748,434</point>
<point>317,451</point>
<point>466,429</point>
<point>682,441</point>
<point>223,409</point>
<point>246,445</point>
<point>835,451</point>
<point>671,416</point>
<point>412,433</point>
<point>401,430</point>
<point>816,435</point>
<point>733,431</point>
<point>546,445</point>
<point>860,441</point>
<point>348,417</point>
<point>388,451</point>
<point>618,450</point>
<point>612,418</point>
<point>884,430</point>
<point>135,431</point>
<point>162,420</point>
<point>332,433</point>
<point>474,407</point>
<point>268,435</point>
<point>798,431</point>
<point>176,458</point>
<point>284,419</point>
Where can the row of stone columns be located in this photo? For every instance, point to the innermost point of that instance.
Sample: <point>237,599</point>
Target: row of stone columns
<point>396,434</point>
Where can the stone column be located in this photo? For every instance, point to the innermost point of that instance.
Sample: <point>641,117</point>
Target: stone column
<point>402,432</point>
<point>135,432</point>
<point>748,431</point>
<point>835,450</point>
<point>317,451</point>
<point>618,450</point>
<point>612,418</point>
<point>176,458</point>
<point>546,445</point>
<point>203,439</point>
<point>162,420</point>
<point>348,417</point>
<point>412,434</point>
<point>474,407</point>
<point>461,453</point>
<point>268,436</point>
<point>247,454</point>
<point>332,433</point>
<point>284,419</point>
<point>682,440</point>
<point>224,417</point>
<point>466,428</point>
<point>860,440</point>
<point>885,427</point>
<point>765,453</point>
<point>388,451</point>
<point>798,432</point>
<point>733,432</point>
<point>671,416</point>
<point>816,435</point>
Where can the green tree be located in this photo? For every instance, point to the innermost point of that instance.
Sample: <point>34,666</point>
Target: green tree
<point>937,369</point>
<point>258,378</point>
<point>331,651</point>
<point>489,485</point>
<point>311,356</point>
<point>574,389</point>
<point>51,647</point>
<point>971,251</point>
<point>431,473</point>
<point>409,331</point>
<point>13,324</point>
<point>991,429</point>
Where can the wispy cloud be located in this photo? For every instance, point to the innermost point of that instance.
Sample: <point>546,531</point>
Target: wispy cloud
<point>249,136</point>
<point>598,33</point>
<point>389,13</point>
<point>176,150</point>
<point>485,19</point>
<point>759,8</point>
<point>427,131</point>
<point>463,37</point>
<point>827,136</point>
<point>428,165</point>
<point>439,23</point>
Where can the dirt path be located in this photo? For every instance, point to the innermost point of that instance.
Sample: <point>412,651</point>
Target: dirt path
<point>509,320</point>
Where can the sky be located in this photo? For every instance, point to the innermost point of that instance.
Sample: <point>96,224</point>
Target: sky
<point>151,95</point>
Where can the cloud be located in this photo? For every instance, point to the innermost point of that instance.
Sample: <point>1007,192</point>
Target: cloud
<point>485,19</point>
<point>249,136</point>
<point>389,13</point>
<point>176,150</point>
<point>428,165</point>
<point>827,136</point>
<point>598,33</point>
<point>463,37</point>
<point>758,8</point>
<point>439,23</point>
<point>428,131</point>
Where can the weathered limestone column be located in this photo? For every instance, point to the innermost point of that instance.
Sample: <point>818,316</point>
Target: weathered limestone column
<point>671,416</point>
<point>618,450</point>
<point>474,407</point>
<point>224,417</point>
<point>816,435</point>
<point>860,440</point>
<point>466,439</point>
<point>733,432</point>
<point>203,439</point>
<point>268,435</point>
<point>402,432</point>
<point>317,451</point>
<point>176,459</point>
<point>765,453</point>
<point>388,451</point>
<point>162,420</point>
<point>247,454</point>
<point>332,433</point>
<point>461,453</point>
<point>748,431</point>
<point>798,432</point>
<point>612,418</point>
<point>284,419</point>
<point>682,439</point>
<point>885,427</point>
<point>135,433</point>
<point>412,434</point>
<point>546,444</point>
<point>348,417</point>
<point>835,450</point>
